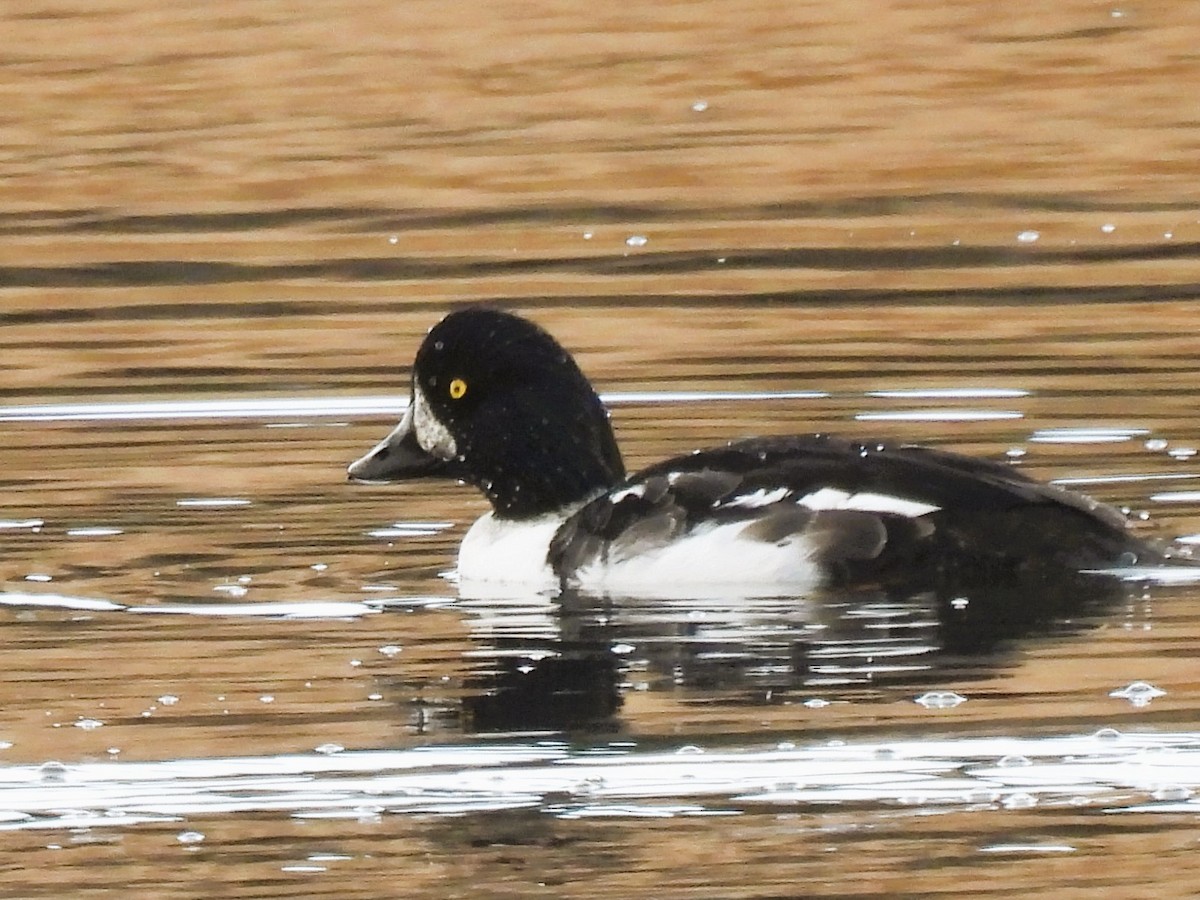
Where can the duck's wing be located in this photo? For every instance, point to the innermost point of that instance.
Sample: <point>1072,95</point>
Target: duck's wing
<point>869,511</point>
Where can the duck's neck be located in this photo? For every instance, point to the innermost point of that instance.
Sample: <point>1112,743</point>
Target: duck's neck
<point>549,464</point>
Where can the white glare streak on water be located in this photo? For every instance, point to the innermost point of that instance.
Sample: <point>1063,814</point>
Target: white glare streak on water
<point>1113,771</point>
<point>321,407</point>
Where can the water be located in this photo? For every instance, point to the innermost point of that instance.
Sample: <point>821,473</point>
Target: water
<point>228,670</point>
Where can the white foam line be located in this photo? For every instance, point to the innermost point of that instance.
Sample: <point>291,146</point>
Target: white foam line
<point>317,609</point>
<point>940,415</point>
<point>951,394</point>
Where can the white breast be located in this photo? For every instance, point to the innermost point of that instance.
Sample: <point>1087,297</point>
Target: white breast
<point>505,552</point>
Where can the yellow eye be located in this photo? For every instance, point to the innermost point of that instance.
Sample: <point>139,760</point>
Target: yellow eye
<point>458,388</point>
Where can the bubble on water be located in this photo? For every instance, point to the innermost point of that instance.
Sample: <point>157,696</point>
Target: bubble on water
<point>1028,237</point>
<point>588,235</point>
<point>1173,793</point>
<point>374,696</point>
<point>390,650</point>
<point>394,239</point>
<point>636,240</point>
<point>1108,228</point>
<point>319,567</point>
<point>1156,444</point>
<point>1182,452</point>
<point>190,837</point>
<point>786,745</point>
<point>267,698</point>
<point>1138,693</point>
<point>39,577</point>
<point>168,699</point>
<point>89,724</point>
<point>1015,452</point>
<point>816,703</point>
<point>329,749</point>
<point>1019,800</point>
<point>1107,734</point>
<point>233,590</point>
<point>53,772</point>
<point>1014,761</point>
<point>940,699</point>
<point>689,750</point>
<point>700,106</point>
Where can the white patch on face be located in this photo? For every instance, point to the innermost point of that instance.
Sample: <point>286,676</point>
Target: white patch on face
<point>866,501</point>
<point>432,436</point>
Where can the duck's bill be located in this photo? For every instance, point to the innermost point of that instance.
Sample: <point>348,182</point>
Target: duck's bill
<point>399,456</point>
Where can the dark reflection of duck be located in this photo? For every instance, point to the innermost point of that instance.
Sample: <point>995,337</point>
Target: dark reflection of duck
<point>496,402</point>
<point>768,565</point>
<point>565,662</point>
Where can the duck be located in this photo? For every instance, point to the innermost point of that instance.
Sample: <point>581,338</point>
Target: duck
<point>496,402</point>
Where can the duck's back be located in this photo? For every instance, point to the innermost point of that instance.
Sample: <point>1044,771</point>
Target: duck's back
<point>852,512</point>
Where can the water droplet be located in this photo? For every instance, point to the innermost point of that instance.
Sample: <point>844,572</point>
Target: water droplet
<point>700,106</point>
<point>319,567</point>
<point>1015,452</point>
<point>390,650</point>
<point>267,698</point>
<point>636,240</point>
<point>329,749</point>
<point>1028,237</point>
<point>190,837</point>
<point>1108,228</point>
<point>37,576</point>
<point>168,699</point>
<point>89,724</point>
<point>394,239</point>
<point>816,703</point>
<point>588,235</point>
<point>1156,444</point>
<point>355,663</point>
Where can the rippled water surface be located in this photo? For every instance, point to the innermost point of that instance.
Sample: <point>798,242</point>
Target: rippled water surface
<point>226,226</point>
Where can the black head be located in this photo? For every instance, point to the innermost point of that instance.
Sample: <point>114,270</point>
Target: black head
<point>498,403</point>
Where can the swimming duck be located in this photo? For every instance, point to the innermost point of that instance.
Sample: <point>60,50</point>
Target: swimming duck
<point>498,403</point>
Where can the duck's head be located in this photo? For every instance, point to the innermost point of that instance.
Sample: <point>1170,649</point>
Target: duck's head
<point>498,403</point>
